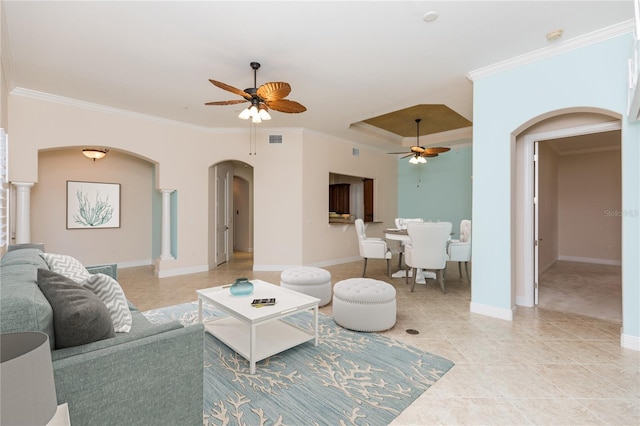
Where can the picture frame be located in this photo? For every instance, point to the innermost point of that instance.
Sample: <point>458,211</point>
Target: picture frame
<point>93,205</point>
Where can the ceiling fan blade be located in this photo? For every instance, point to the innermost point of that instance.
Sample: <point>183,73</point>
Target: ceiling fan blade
<point>418,149</point>
<point>403,152</point>
<point>236,101</point>
<point>231,89</point>
<point>408,155</point>
<point>437,150</point>
<point>429,154</point>
<point>274,90</point>
<point>285,105</point>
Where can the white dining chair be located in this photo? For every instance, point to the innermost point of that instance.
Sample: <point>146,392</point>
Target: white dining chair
<point>428,249</point>
<point>371,247</point>
<point>460,250</point>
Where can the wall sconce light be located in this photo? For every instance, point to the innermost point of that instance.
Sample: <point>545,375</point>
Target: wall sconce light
<point>95,153</point>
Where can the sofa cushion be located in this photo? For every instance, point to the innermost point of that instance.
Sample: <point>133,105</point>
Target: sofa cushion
<point>65,265</point>
<point>24,257</point>
<point>23,307</point>
<point>140,329</point>
<point>79,316</point>
<point>111,294</point>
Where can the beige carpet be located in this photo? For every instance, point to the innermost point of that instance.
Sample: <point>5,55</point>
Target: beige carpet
<point>588,289</point>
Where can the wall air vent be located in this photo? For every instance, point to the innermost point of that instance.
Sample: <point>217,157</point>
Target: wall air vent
<point>355,152</point>
<point>275,138</point>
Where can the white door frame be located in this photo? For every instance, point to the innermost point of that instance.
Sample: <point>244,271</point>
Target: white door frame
<point>526,275</point>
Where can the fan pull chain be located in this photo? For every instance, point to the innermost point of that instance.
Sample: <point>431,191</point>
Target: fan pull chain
<point>252,138</point>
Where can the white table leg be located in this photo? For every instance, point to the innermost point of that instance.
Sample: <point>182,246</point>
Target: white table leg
<point>252,349</point>
<point>199,310</point>
<point>315,324</point>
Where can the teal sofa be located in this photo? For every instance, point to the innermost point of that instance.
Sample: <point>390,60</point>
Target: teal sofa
<point>149,376</point>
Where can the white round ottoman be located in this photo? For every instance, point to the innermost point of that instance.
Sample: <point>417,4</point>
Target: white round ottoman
<point>311,281</point>
<point>364,304</point>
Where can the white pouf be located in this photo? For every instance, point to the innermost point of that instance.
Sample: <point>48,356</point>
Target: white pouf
<point>311,281</point>
<point>364,304</point>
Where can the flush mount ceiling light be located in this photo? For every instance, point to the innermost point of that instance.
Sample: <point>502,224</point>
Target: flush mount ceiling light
<point>95,153</point>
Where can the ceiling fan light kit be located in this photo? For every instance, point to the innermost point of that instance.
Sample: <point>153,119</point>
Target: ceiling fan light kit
<point>418,153</point>
<point>269,95</point>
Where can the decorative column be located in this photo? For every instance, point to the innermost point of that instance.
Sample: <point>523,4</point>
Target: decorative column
<point>165,251</point>
<point>23,212</point>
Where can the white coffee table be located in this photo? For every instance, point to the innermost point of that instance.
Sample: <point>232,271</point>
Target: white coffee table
<point>258,333</point>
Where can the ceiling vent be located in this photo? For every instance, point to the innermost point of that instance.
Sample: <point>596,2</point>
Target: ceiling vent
<point>355,152</point>
<point>275,138</point>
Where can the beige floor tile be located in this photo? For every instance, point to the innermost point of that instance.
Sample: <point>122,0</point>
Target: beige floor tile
<point>561,412</point>
<point>544,367</point>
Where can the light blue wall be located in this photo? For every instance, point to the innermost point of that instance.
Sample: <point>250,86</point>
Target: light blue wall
<point>438,190</point>
<point>595,77</point>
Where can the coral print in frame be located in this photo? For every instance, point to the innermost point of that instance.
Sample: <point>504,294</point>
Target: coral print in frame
<point>92,205</point>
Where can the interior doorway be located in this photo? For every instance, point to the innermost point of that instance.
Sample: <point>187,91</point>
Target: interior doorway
<point>230,211</point>
<point>534,262</point>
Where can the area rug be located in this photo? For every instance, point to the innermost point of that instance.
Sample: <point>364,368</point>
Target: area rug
<point>350,378</point>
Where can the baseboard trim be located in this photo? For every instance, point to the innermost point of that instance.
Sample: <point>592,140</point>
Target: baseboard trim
<point>527,302</point>
<point>492,311</point>
<point>630,342</point>
<point>591,260</point>
<point>182,271</point>
<point>135,263</point>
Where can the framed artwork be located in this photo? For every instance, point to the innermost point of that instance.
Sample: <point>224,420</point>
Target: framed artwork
<point>92,205</point>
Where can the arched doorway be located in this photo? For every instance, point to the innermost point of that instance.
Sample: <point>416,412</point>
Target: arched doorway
<point>528,244</point>
<point>230,210</point>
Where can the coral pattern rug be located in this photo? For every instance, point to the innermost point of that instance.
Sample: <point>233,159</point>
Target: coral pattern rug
<point>350,378</point>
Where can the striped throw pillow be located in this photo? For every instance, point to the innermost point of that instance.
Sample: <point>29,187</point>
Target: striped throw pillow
<point>67,266</point>
<point>109,291</point>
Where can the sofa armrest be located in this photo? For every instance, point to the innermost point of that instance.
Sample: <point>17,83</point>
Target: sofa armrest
<point>107,269</point>
<point>154,380</point>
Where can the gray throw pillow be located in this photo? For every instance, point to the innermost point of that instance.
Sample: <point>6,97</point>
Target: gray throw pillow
<point>79,316</point>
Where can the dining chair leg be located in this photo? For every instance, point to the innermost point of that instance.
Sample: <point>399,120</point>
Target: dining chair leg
<point>365,267</point>
<point>413,281</point>
<point>466,269</point>
<point>440,278</point>
<point>406,275</point>
<point>389,267</point>
<point>460,269</point>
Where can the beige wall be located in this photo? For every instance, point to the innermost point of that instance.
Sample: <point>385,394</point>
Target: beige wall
<point>548,208</point>
<point>590,194</point>
<point>338,243</point>
<point>4,93</point>
<point>290,180</point>
<point>131,243</point>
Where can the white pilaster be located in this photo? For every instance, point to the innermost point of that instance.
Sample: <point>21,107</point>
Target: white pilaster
<point>23,211</point>
<point>165,251</point>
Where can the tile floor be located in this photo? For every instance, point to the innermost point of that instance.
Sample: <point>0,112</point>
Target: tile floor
<point>543,368</point>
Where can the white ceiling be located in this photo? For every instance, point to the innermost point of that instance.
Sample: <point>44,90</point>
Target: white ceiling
<point>346,61</point>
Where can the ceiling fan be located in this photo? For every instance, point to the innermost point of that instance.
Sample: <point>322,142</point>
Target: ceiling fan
<point>417,152</point>
<point>269,95</point>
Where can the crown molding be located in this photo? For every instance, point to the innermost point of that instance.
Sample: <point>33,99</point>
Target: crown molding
<point>459,136</point>
<point>557,49</point>
<point>47,97</point>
